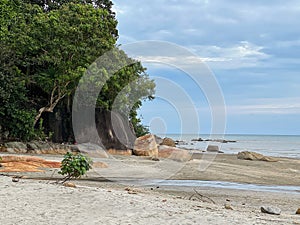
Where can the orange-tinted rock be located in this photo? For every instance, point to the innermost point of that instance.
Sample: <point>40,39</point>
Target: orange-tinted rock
<point>99,165</point>
<point>168,142</point>
<point>174,153</point>
<point>145,146</point>
<point>127,152</point>
<point>26,164</point>
<point>298,212</point>
<point>255,156</point>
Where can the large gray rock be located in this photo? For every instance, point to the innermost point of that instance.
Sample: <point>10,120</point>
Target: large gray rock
<point>255,156</point>
<point>213,148</point>
<point>15,147</point>
<point>145,146</point>
<point>270,210</point>
<point>90,149</point>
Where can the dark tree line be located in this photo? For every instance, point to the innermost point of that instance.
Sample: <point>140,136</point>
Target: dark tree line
<point>46,47</point>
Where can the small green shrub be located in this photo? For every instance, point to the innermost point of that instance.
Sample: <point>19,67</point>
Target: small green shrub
<point>74,166</point>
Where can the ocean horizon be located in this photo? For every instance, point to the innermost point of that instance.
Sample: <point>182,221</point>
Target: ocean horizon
<point>270,145</point>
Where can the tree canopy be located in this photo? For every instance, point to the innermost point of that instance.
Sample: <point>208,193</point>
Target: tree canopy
<point>47,47</point>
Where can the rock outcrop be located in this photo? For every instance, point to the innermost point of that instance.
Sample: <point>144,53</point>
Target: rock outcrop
<point>255,156</point>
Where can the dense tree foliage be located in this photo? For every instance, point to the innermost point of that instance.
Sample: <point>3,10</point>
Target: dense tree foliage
<point>47,47</point>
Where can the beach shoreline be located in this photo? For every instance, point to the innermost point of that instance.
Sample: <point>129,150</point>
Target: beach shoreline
<point>103,200</point>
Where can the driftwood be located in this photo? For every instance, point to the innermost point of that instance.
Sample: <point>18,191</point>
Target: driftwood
<point>199,197</point>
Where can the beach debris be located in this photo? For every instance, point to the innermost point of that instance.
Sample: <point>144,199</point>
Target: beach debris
<point>298,211</point>
<point>15,180</point>
<point>131,191</point>
<point>199,197</point>
<point>155,159</point>
<point>173,153</point>
<point>246,155</point>
<point>69,184</point>
<point>228,206</point>
<point>145,146</point>
<point>270,210</point>
<point>168,142</point>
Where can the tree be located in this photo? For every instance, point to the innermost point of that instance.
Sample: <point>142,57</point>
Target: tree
<point>53,42</point>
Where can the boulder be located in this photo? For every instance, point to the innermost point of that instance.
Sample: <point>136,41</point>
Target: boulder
<point>298,212</point>
<point>213,148</point>
<point>145,146</point>
<point>270,210</point>
<point>15,147</point>
<point>169,142</point>
<point>90,149</point>
<point>176,154</point>
<point>255,156</point>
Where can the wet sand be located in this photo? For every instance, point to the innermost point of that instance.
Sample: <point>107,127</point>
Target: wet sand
<point>97,200</point>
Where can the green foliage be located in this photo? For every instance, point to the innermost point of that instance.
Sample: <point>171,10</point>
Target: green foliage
<point>47,46</point>
<point>74,166</point>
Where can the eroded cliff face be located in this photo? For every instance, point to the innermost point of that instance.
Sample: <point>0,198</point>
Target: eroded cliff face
<point>108,129</point>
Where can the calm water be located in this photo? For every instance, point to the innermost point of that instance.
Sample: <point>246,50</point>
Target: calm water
<point>271,145</point>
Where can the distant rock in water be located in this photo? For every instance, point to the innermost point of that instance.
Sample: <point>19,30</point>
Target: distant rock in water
<point>214,140</point>
<point>197,139</point>
<point>270,210</point>
<point>255,157</point>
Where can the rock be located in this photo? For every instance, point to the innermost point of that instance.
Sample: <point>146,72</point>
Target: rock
<point>197,139</point>
<point>127,152</point>
<point>169,142</point>
<point>15,147</point>
<point>176,154</point>
<point>90,149</point>
<point>40,147</point>
<point>158,140</point>
<point>99,165</point>
<point>298,212</point>
<point>145,146</point>
<point>69,184</point>
<point>213,148</point>
<point>180,142</point>
<point>255,156</point>
<point>270,210</point>
<point>228,206</point>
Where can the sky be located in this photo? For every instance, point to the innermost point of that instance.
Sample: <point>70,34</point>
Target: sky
<point>252,48</point>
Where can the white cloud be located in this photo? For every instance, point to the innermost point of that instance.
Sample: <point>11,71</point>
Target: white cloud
<point>283,106</point>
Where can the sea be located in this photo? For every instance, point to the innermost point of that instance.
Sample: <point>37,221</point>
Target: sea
<point>269,145</point>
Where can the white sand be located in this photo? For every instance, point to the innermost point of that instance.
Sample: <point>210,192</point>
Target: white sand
<point>39,202</point>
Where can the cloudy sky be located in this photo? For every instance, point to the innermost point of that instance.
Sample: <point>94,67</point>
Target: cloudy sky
<point>251,47</point>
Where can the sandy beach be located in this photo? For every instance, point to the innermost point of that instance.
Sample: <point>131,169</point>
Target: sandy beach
<point>96,200</point>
